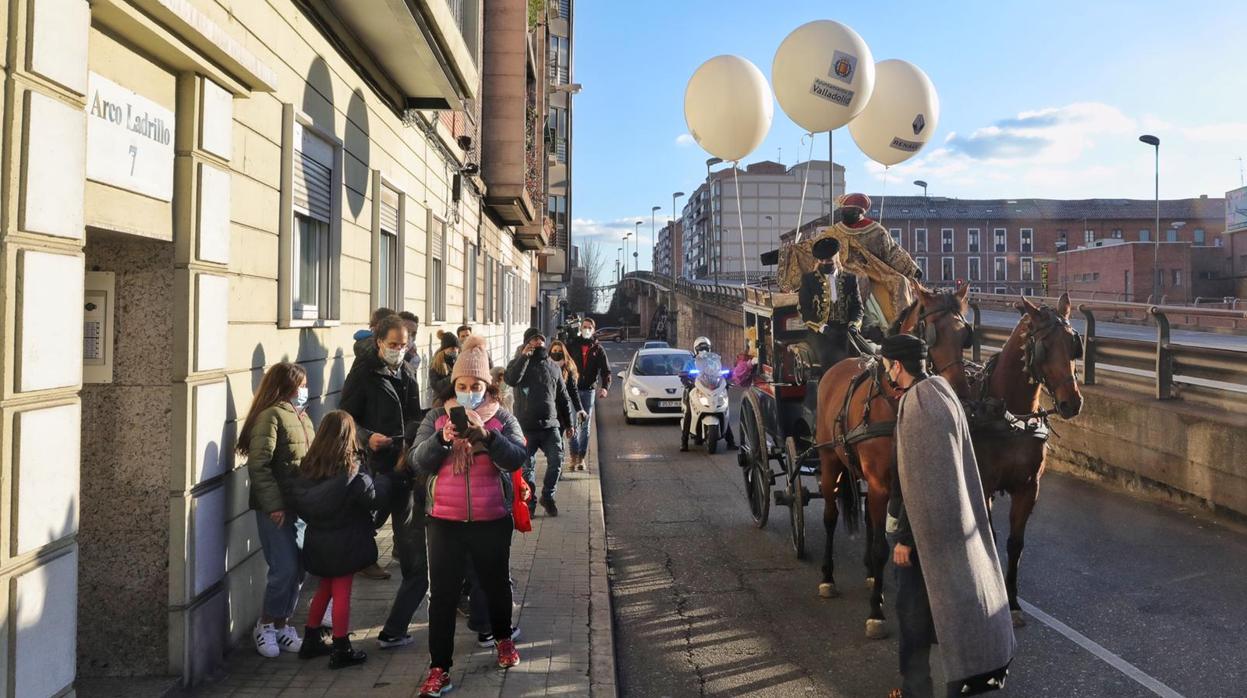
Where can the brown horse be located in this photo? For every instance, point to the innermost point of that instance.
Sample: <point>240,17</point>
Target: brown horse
<point>856,418</point>
<point>1039,354</point>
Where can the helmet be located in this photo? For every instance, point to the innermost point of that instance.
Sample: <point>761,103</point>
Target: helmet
<point>701,344</point>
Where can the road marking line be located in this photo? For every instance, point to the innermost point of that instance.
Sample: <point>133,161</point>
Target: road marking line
<point>1102,653</point>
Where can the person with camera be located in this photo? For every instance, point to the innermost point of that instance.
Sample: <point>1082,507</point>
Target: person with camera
<point>544,411</point>
<point>468,448</point>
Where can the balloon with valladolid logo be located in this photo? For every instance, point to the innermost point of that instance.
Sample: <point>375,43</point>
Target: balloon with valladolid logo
<point>823,75</point>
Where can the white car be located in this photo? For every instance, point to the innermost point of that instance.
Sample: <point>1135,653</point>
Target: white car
<point>651,384</point>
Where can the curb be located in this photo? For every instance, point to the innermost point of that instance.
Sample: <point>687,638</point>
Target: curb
<point>602,681</point>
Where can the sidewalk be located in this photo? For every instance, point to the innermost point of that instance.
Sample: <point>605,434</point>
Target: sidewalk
<point>567,645</point>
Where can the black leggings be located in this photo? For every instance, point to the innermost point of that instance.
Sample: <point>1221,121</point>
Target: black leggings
<point>451,544</point>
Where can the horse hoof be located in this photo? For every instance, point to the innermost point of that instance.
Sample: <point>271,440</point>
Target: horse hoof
<point>828,591</point>
<point>1019,620</point>
<point>870,582</point>
<point>876,629</point>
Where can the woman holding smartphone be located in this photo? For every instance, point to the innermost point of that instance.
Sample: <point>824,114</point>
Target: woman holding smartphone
<point>469,447</point>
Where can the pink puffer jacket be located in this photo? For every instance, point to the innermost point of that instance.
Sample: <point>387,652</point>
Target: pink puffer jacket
<point>477,495</point>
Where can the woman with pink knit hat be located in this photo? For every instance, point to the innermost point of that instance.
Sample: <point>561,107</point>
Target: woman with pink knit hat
<point>469,503</point>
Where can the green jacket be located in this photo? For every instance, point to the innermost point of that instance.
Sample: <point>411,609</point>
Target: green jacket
<point>279,441</point>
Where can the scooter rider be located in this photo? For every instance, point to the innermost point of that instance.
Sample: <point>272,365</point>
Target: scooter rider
<point>702,349</point>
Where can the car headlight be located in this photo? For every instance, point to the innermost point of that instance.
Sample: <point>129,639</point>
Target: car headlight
<point>636,390</point>
<point>704,402</point>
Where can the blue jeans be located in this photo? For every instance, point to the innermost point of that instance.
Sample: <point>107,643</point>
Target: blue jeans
<point>580,437</point>
<point>550,441</point>
<point>285,567</point>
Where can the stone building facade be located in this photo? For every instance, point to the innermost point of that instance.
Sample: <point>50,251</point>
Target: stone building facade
<point>194,190</point>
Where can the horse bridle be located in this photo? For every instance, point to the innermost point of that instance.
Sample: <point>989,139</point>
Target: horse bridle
<point>930,334</point>
<point>1036,350</point>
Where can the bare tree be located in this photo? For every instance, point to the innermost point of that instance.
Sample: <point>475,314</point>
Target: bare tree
<point>587,275</point>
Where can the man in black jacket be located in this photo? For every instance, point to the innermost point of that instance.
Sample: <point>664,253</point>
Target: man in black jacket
<point>381,394</point>
<point>830,306</point>
<point>543,408</point>
<point>593,367</point>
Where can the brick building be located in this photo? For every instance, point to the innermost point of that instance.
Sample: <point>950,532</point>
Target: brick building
<point>1123,271</point>
<point>1236,238</point>
<point>1010,245</point>
<point>669,250</point>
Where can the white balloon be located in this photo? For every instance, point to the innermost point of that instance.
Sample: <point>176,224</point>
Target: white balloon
<point>900,116</point>
<point>823,74</point>
<point>727,106</point>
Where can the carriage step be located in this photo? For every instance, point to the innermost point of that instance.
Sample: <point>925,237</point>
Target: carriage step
<point>781,498</point>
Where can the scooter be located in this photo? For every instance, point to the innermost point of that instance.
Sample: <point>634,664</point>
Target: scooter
<point>705,416</point>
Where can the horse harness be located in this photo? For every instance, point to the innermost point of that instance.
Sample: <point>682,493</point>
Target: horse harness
<point>930,333</point>
<point>873,372</point>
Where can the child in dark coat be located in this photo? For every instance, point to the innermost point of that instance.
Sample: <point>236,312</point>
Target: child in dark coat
<point>335,499</point>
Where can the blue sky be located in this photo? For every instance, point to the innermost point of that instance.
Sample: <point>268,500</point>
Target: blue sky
<point>1036,99</point>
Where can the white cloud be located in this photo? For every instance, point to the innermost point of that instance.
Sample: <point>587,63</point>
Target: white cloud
<point>1081,150</point>
<point>684,140</point>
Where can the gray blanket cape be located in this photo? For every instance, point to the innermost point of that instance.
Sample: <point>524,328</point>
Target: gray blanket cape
<point>948,515</point>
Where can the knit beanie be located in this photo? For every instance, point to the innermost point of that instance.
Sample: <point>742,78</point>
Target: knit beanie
<point>449,340</point>
<point>903,347</point>
<point>473,360</point>
<point>532,332</point>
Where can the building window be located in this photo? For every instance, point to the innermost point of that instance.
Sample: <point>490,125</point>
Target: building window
<point>565,9</point>
<point>1028,240</point>
<point>975,273</point>
<point>976,289</point>
<point>1199,236</point>
<point>309,293</point>
<point>1000,290</point>
<point>500,304</point>
<point>1088,236</point>
<point>920,239</point>
<point>998,239</point>
<point>1000,272</point>
<point>1171,235</point>
<point>946,269</point>
<point>435,294</point>
<point>1062,240</point>
<point>388,237</point>
<point>1028,269</point>
<point>972,240</point>
<point>558,214</point>
<point>469,283</point>
<point>946,240</point>
<point>1028,291</point>
<point>1145,235</point>
<point>558,64</point>
<point>922,264</point>
<point>1116,233</point>
<point>1177,277</point>
<point>896,236</point>
<point>556,132</point>
<point>489,289</point>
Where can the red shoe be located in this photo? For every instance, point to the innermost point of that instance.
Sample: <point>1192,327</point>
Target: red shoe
<point>436,684</point>
<point>507,656</point>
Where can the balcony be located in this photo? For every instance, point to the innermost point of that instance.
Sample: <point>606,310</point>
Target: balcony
<point>427,48</point>
<point>511,148</point>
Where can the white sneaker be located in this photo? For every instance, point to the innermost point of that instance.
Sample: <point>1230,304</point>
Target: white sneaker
<point>265,635</point>
<point>327,621</point>
<point>288,640</point>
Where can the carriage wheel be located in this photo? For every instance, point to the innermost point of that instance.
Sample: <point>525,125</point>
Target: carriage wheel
<point>754,460</point>
<point>796,497</point>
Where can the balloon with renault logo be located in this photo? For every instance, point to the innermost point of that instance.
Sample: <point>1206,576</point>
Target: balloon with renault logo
<point>727,106</point>
<point>823,75</point>
<point>900,116</point>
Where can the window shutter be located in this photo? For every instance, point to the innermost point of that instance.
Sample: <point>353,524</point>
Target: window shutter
<point>389,210</point>
<point>437,239</point>
<point>313,174</point>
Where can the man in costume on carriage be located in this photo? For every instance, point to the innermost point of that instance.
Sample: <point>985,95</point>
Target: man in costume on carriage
<point>869,253</point>
<point>830,305</point>
<point>937,508</point>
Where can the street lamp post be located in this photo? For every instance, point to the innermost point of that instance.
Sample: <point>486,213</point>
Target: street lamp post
<point>672,238</point>
<point>925,208</point>
<point>711,162</point>
<point>1155,143</point>
<point>652,236</point>
<point>774,232</point>
<point>636,248</point>
<point>625,254</point>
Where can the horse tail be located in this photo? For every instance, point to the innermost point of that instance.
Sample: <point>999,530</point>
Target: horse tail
<point>850,502</point>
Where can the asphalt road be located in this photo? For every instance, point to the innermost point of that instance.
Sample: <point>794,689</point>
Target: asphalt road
<point>1117,330</point>
<point>1133,594</point>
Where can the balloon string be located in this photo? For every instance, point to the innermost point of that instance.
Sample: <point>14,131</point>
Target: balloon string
<point>740,220</point>
<point>804,183</point>
<point>884,198</point>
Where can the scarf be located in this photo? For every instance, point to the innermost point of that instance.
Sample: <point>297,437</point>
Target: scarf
<point>461,450</point>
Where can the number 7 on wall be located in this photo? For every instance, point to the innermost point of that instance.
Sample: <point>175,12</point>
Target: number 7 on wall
<point>134,153</point>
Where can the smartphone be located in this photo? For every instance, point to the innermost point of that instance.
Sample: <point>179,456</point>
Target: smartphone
<point>459,417</point>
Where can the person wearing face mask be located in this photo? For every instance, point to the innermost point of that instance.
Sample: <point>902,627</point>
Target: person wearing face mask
<point>469,508</point>
<point>830,306</point>
<point>571,377</point>
<point>364,341</point>
<point>544,411</point>
<point>382,397</point>
<point>411,359</point>
<point>882,267</point>
<point>937,508</point>
<point>593,367</point>
<point>443,363</point>
<point>275,437</point>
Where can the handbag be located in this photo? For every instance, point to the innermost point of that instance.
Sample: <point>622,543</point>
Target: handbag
<point>519,508</point>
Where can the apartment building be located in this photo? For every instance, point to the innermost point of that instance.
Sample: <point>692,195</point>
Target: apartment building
<point>195,190</point>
